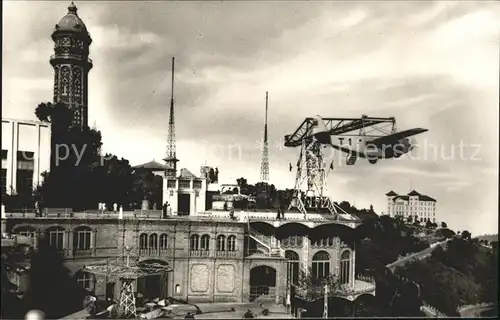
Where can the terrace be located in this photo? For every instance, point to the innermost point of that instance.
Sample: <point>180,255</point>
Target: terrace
<point>213,215</point>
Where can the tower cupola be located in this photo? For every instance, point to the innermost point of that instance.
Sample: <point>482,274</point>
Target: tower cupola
<point>71,65</point>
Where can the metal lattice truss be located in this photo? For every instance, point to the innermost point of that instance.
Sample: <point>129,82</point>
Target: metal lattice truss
<point>127,270</point>
<point>312,172</point>
<point>367,126</point>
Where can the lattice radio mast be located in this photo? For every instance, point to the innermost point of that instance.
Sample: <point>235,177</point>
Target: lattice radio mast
<point>170,157</point>
<point>264,167</point>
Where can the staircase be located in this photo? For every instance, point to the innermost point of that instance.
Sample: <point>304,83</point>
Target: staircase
<point>270,243</point>
<point>297,203</point>
<point>329,205</point>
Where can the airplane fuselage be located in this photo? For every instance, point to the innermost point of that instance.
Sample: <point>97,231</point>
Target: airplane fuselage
<point>361,147</point>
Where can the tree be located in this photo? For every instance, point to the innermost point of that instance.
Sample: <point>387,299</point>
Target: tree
<point>80,177</point>
<point>466,235</point>
<point>13,261</point>
<point>51,288</point>
<point>444,225</point>
<point>310,288</point>
<point>428,224</point>
<point>242,182</point>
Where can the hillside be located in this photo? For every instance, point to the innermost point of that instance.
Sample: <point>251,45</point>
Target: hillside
<point>487,237</point>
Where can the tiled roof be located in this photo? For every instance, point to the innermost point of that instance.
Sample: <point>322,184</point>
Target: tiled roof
<point>421,197</point>
<point>151,165</point>
<point>406,198</point>
<point>186,174</point>
<point>391,193</point>
<point>426,198</point>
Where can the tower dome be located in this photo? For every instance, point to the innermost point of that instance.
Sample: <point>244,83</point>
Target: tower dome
<point>71,21</point>
<point>71,65</point>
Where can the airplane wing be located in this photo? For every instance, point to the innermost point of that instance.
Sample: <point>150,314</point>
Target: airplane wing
<point>395,137</point>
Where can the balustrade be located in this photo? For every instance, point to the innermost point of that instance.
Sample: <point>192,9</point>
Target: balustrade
<point>199,253</point>
<point>82,253</point>
<point>226,254</point>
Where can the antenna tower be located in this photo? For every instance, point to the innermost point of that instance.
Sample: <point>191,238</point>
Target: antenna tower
<point>264,167</point>
<point>170,157</point>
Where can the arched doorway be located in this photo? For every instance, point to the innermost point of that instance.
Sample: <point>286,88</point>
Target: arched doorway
<point>293,266</point>
<point>155,285</point>
<point>345,267</point>
<point>262,283</point>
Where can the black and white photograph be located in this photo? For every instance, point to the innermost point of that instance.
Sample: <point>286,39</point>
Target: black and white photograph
<point>249,159</point>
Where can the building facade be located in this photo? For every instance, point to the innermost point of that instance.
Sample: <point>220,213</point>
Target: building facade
<point>71,65</point>
<point>185,194</point>
<point>213,257</point>
<point>411,206</point>
<point>25,155</point>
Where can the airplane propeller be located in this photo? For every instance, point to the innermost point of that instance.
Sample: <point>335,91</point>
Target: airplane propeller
<point>413,144</point>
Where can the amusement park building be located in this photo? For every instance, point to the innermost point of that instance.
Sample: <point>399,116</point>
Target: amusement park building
<point>214,257</point>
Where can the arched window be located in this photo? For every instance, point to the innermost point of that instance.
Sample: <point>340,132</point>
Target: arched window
<point>299,241</point>
<point>221,243</point>
<point>153,241</point>
<point>143,241</point>
<point>65,73</point>
<point>324,242</point>
<point>26,232</point>
<point>285,242</point>
<point>85,280</point>
<point>293,265</point>
<point>231,243</point>
<point>345,266</point>
<point>81,238</point>
<point>205,242</point>
<point>163,241</point>
<point>330,241</point>
<point>56,236</point>
<point>195,242</point>
<point>321,265</point>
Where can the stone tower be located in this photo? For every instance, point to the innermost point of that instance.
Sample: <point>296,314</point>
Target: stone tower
<point>71,65</point>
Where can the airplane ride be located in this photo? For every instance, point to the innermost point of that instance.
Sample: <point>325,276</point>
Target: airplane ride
<point>392,145</point>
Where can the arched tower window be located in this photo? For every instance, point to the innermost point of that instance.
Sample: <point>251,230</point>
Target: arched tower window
<point>163,241</point>
<point>345,266</point>
<point>56,83</point>
<point>77,84</point>
<point>205,242</point>
<point>143,241</point>
<point>293,266</point>
<point>231,243</point>
<point>221,243</point>
<point>81,238</point>
<point>153,241</point>
<point>321,265</point>
<point>65,74</point>
<point>194,244</point>
<point>56,237</point>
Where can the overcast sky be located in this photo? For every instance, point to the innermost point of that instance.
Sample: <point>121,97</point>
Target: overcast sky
<point>429,64</point>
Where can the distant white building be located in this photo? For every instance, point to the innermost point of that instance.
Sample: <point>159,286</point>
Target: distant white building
<point>413,205</point>
<point>25,155</point>
<point>186,193</point>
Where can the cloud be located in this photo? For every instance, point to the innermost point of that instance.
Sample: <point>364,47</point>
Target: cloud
<point>428,64</point>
